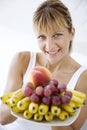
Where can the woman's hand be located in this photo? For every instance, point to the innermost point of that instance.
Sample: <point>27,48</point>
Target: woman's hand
<point>62,128</point>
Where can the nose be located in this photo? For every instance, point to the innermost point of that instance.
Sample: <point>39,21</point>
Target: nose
<point>49,44</point>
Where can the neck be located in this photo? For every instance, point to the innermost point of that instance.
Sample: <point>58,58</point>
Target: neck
<point>59,66</point>
<point>65,65</point>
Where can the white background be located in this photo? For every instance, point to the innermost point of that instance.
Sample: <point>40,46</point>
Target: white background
<point>16,32</point>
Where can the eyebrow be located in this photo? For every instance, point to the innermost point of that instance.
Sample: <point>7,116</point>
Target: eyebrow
<point>59,31</point>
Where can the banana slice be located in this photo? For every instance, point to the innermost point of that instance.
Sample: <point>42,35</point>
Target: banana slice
<point>33,107</point>
<point>38,117</point>
<point>49,116</point>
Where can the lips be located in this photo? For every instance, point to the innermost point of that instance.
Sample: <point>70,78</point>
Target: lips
<point>52,53</point>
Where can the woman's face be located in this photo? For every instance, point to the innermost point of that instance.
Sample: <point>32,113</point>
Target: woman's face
<point>55,45</point>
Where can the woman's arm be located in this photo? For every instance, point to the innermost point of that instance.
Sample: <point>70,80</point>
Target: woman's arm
<point>81,86</point>
<point>14,82</point>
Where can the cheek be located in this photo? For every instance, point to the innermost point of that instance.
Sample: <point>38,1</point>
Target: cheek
<point>41,46</point>
<point>65,45</point>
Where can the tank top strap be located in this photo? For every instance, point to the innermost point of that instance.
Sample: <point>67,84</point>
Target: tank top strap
<point>72,83</point>
<point>30,66</point>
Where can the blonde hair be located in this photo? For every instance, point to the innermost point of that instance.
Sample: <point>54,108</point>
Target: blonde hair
<point>50,16</point>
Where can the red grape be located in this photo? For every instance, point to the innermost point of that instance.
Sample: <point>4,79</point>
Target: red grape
<point>52,88</point>
<point>62,88</point>
<point>28,89</point>
<point>46,100</point>
<point>65,99</point>
<point>39,91</point>
<point>47,92</point>
<point>34,98</point>
<point>54,82</point>
<point>29,85</point>
<point>56,100</point>
<point>69,93</point>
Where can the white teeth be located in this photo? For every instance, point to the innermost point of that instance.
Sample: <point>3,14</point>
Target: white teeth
<point>53,52</point>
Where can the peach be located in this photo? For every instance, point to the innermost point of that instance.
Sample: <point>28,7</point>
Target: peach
<point>39,76</point>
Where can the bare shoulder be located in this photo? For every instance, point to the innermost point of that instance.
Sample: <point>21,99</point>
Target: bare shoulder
<point>20,61</point>
<point>16,71</point>
<point>21,56</point>
<point>82,82</point>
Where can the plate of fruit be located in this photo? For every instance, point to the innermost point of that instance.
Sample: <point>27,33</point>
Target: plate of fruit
<point>48,121</point>
<point>44,101</point>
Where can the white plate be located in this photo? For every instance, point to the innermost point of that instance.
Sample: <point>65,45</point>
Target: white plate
<point>67,122</point>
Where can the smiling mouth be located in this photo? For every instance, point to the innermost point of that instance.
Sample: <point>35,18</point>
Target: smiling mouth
<point>52,53</point>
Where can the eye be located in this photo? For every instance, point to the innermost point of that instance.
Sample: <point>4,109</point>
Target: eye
<point>57,35</point>
<point>41,37</point>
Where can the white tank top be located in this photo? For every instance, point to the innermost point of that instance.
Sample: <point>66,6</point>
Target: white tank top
<point>73,81</point>
<point>30,66</point>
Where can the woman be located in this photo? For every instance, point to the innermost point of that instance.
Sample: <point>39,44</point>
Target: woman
<point>53,26</point>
